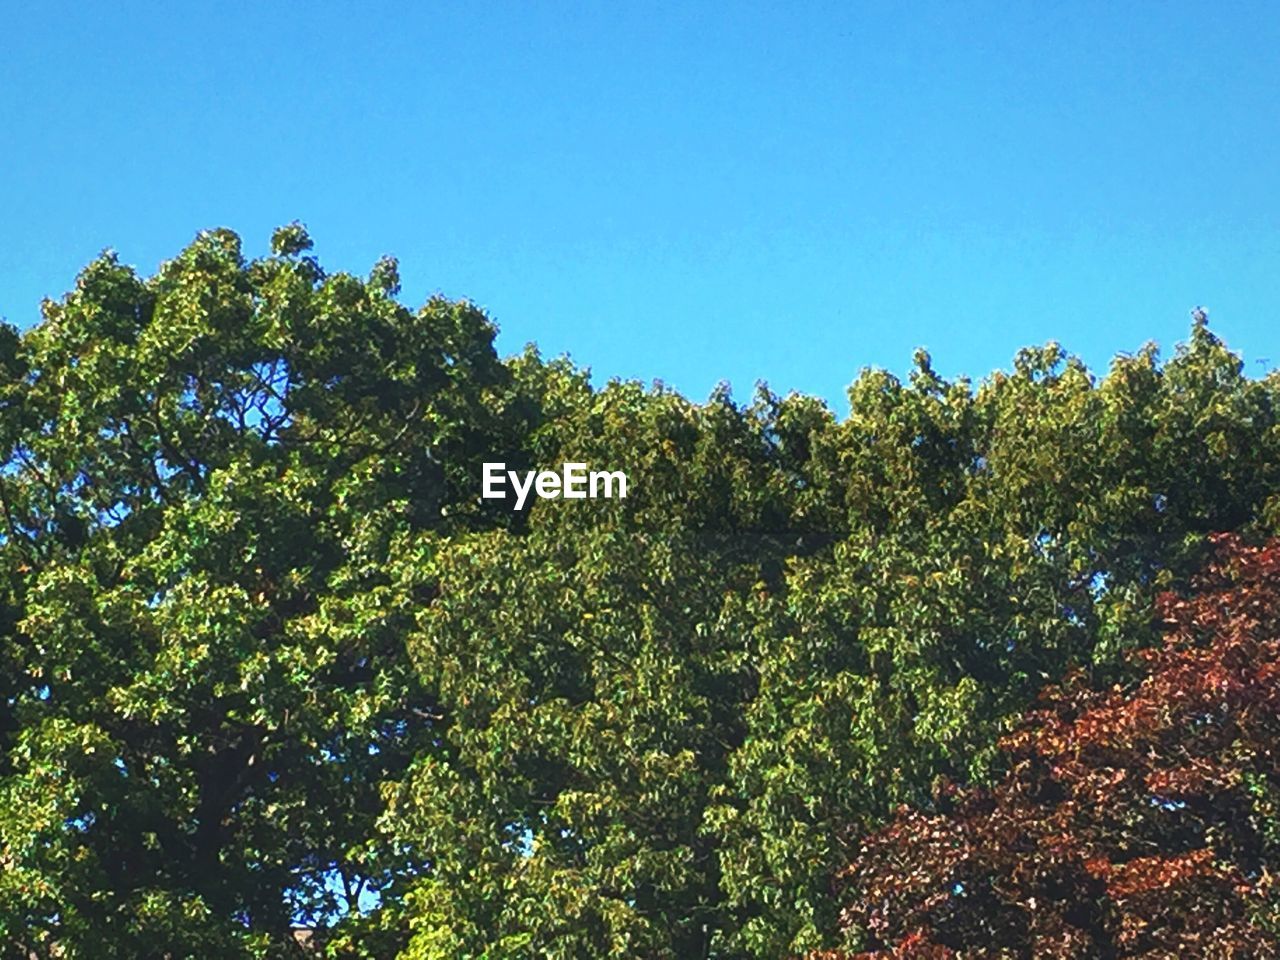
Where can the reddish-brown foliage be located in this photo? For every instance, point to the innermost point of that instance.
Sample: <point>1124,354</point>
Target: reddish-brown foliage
<point>1136,822</point>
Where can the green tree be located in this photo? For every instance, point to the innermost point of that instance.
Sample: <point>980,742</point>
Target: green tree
<point>592,665</point>
<point>203,473</point>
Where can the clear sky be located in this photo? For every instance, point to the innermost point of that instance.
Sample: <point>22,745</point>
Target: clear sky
<point>691,191</point>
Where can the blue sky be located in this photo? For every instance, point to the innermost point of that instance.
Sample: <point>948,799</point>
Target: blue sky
<point>691,192</point>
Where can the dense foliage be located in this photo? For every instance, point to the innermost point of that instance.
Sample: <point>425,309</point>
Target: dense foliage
<point>1137,822</point>
<point>204,471</point>
<point>268,660</point>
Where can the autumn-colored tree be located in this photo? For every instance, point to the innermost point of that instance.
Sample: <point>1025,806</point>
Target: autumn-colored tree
<point>1134,821</point>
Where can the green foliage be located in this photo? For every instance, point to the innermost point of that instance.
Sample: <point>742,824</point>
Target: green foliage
<point>591,665</point>
<point>204,473</point>
<point>264,648</point>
